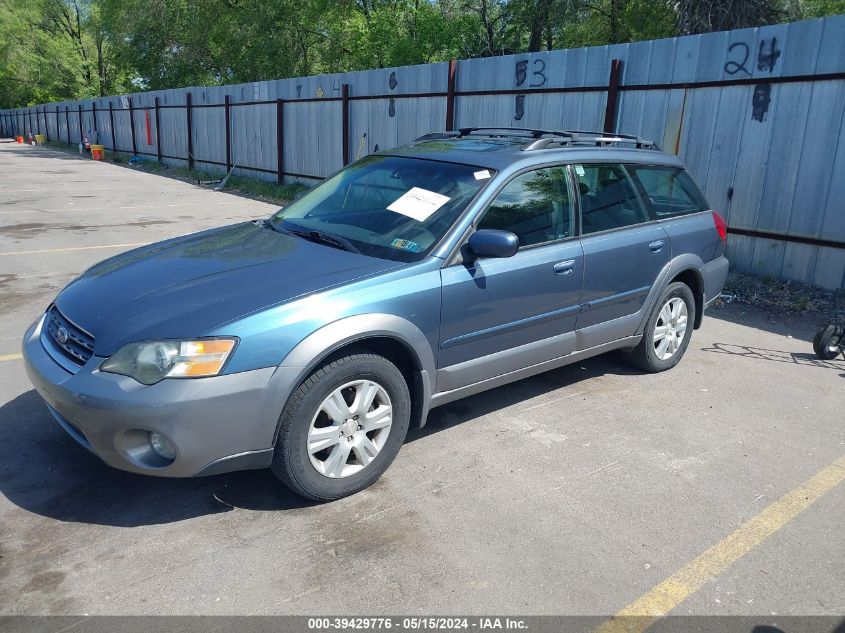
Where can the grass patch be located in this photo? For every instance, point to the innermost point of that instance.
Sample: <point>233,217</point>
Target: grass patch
<point>264,189</point>
<point>258,189</point>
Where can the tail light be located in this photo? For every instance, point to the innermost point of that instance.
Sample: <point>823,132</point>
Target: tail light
<point>721,226</point>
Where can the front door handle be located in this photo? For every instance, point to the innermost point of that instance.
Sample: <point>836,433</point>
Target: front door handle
<point>565,268</point>
<point>656,247</point>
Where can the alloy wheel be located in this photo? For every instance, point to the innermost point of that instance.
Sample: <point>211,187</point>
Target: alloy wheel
<point>350,428</point>
<point>670,328</point>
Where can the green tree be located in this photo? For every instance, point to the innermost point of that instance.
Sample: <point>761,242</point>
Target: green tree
<point>69,49</point>
<point>53,50</point>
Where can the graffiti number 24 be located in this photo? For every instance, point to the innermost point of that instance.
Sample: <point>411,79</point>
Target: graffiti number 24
<point>767,56</point>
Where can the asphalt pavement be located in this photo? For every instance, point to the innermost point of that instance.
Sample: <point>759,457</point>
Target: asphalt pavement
<point>574,492</point>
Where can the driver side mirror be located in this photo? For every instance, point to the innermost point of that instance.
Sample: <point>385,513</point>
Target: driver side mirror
<point>493,243</point>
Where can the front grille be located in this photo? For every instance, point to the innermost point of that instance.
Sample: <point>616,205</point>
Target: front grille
<point>73,342</point>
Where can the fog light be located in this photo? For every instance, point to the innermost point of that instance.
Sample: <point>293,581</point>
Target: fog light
<point>163,447</point>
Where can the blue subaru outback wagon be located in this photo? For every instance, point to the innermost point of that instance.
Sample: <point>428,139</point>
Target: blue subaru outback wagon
<point>310,341</point>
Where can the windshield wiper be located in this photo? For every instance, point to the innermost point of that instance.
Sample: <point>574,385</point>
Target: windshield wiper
<point>324,238</point>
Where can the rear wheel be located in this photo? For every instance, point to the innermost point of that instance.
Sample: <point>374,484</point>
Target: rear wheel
<point>667,332</point>
<point>342,427</point>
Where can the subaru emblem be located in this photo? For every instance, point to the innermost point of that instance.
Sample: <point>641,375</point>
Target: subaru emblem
<point>61,335</point>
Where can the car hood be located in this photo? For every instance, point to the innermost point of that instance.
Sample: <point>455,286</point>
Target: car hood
<point>190,285</point>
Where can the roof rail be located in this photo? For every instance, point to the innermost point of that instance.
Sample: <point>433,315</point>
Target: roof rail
<point>509,131</point>
<point>433,136</point>
<point>543,139</point>
<point>599,139</point>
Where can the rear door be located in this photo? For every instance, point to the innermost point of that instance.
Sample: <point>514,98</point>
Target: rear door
<point>625,249</point>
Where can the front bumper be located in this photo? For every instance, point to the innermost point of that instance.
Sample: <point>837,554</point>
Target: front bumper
<point>217,424</point>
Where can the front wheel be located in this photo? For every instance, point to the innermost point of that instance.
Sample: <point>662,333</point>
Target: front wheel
<point>342,427</point>
<point>668,330</point>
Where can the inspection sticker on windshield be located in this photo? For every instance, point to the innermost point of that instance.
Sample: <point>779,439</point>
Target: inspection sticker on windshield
<point>484,174</point>
<point>406,245</point>
<point>418,203</point>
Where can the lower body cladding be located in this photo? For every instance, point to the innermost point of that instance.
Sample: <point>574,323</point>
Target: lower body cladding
<point>175,428</point>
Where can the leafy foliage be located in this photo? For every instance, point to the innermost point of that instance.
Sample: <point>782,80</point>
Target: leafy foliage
<point>69,49</point>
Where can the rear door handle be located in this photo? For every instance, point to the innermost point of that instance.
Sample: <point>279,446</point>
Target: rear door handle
<point>656,247</point>
<point>565,268</point>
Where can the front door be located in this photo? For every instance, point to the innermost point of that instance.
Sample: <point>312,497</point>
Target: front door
<point>501,314</point>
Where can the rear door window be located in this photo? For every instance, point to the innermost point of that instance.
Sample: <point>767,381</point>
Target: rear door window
<point>670,191</point>
<point>609,199</point>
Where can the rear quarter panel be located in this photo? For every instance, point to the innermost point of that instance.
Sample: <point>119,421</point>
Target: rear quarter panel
<point>694,238</point>
<point>694,234</point>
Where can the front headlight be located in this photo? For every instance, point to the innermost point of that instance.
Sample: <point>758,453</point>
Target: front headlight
<point>152,361</point>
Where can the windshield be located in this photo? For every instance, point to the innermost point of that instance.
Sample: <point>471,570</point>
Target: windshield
<point>387,206</point>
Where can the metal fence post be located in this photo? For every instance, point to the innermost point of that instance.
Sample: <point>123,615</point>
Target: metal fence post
<point>94,117</point>
<point>227,114</point>
<point>345,123</point>
<point>111,124</point>
<point>67,123</point>
<point>280,141</point>
<point>81,127</point>
<point>132,127</point>
<point>46,125</point>
<point>450,95</point>
<point>190,125</point>
<point>612,95</point>
<point>158,131</point>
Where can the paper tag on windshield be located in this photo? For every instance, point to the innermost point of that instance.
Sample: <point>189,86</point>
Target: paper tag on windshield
<point>418,203</point>
<point>481,175</point>
<point>579,169</point>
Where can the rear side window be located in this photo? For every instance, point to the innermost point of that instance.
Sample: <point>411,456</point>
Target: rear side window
<point>670,191</point>
<point>609,199</point>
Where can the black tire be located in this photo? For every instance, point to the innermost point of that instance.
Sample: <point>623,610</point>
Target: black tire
<point>825,338</point>
<point>291,461</point>
<point>644,355</point>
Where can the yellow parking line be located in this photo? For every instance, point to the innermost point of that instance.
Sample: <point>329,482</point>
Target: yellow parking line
<point>10,357</point>
<point>75,248</point>
<point>643,612</point>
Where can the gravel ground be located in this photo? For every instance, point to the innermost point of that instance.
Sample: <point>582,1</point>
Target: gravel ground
<point>782,302</point>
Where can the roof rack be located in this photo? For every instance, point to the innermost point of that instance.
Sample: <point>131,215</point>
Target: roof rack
<point>545,139</point>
